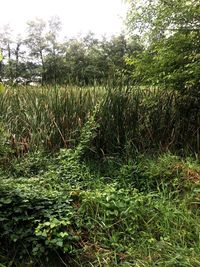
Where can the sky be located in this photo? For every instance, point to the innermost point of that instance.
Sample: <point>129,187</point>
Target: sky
<point>77,16</point>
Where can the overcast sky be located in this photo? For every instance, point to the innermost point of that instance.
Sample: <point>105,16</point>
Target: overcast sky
<point>98,16</point>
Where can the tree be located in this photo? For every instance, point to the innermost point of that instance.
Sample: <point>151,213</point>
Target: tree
<point>18,55</point>
<point>54,50</point>
<point>75,58</point>
<point>161,17</point>
<point>172,54</point>
<point>1,85</point>
<point>37,43</point>
<point>5,45</point>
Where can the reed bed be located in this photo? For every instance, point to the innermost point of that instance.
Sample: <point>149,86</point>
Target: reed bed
<point>130,119</point>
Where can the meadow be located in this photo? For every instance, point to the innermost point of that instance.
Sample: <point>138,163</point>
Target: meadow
<point>99,176</point>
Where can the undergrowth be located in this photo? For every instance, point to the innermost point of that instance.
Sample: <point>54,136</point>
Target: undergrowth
<point>67,209</point>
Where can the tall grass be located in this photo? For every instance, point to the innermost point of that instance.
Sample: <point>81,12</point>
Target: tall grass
<point>48,117</point>
<point>130,119</point>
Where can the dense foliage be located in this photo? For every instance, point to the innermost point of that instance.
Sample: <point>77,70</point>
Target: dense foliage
<point>114,213</point>
<point>40,56</point>
<point>172,55</point>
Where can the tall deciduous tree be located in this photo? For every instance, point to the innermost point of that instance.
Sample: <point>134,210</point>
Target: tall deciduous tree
<point>172,33</point>
<point>5,45</point>
<point>36,42</point>
<point>54,58</point>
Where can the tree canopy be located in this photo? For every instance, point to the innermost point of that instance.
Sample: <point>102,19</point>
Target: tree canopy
<point>82,60</point>
<point>171,33</point>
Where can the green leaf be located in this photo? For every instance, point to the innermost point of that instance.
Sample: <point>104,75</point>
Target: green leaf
<point>1,56</point>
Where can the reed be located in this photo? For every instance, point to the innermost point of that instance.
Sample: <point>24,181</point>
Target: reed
<point>130,119</point>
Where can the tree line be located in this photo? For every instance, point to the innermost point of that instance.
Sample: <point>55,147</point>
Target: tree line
<point>82,60</point>
<point>162,49</point>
